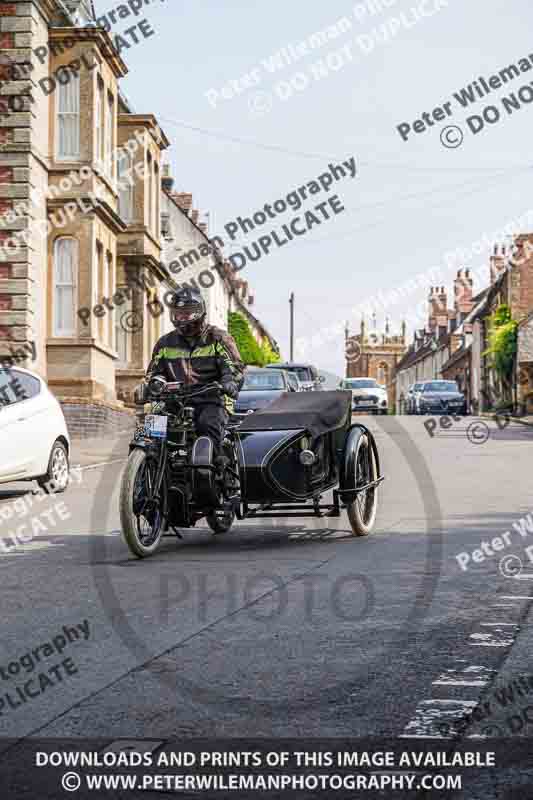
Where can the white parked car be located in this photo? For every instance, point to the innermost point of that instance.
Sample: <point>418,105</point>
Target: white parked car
<point>367,395</point>
<point>34,440</point>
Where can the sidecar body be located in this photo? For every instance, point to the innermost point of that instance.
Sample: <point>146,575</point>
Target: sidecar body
<point>299,447</point>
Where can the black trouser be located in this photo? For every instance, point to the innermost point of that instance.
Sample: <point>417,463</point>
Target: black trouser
<point>210,420</point>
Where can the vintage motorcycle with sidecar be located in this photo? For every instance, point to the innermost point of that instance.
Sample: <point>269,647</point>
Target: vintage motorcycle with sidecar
<point>277,462</point>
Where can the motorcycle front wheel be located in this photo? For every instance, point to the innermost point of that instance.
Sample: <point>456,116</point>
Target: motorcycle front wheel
<point>142,519</point>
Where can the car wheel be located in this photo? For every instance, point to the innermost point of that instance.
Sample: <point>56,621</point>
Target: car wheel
<point>56,479</point>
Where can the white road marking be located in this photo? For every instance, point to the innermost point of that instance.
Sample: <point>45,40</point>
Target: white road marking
<point>516,597</point>
<point>490,640</point>
<point>500,625</point>
<point>430,714</point>
<point>468,676</point>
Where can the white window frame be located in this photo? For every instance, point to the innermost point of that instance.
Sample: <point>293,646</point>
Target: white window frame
<point>148,192</point>
<point>63,94</point>
<point>110,117</point>
<point>122,337</point>
<point>58,285</point>
<point>99,120</point>
<point>125,166</point>
<point>157,188</point>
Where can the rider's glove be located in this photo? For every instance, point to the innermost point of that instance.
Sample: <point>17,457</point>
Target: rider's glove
<point>230,388</point>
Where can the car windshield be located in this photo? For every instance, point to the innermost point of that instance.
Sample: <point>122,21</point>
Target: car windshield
<point>257,381</point>
<point>357,384</point>
<point>417,387</point>
<point>440,386</point>
<point>303,374</point>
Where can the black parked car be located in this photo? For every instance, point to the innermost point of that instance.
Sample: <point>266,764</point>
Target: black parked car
<point>260,388</point>
<point>440,397</point>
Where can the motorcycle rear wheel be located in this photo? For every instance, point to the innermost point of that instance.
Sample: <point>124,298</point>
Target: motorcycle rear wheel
<point>220,522</point>
<point>142,522</point>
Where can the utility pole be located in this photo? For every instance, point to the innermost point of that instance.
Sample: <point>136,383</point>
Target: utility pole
<point>291,304</point>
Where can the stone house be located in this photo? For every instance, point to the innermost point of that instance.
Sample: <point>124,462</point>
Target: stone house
<point>525,364</point>
<point>511,283</point>
<point>435,347</point>
<point>454,343</point>
<point>190,256</point>
<point>193,258</point>
<point>75,250</point>
<point>84,265</point>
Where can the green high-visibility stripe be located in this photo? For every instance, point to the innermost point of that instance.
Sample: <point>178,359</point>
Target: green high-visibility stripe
<point>172,352</point>
<point>176,352</point>
<point>204,352</point>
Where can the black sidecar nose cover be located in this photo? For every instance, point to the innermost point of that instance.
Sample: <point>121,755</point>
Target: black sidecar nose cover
<point>316,412</point>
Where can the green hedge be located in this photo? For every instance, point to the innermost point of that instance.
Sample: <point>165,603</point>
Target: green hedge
<point>251,352</point>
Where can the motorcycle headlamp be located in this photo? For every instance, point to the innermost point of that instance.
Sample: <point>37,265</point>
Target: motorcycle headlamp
<point>156,386</point>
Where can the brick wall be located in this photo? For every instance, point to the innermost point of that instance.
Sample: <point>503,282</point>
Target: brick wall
<point>17,27</point>
<point>90,420</point>
<point>522,278</point>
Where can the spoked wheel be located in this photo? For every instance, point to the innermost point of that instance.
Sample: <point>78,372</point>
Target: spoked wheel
<point>220,521</point>
<point>362,511</point>
<point>142,518</point>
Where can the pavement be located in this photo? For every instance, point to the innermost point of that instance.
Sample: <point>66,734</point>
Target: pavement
<point>284,627</point>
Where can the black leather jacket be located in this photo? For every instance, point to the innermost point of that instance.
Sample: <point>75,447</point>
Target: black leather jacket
<point>212,356</point>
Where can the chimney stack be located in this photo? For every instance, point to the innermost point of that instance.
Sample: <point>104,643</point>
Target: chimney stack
<point>497,263</point>
<point>463,290</point>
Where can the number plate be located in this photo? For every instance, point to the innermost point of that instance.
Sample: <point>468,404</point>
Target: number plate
<point>156,426</point>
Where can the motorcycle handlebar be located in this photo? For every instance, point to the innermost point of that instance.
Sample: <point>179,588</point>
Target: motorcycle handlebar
<point>171,387</point>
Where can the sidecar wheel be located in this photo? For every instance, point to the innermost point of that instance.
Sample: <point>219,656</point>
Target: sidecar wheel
<point>142,528</point>
<point>220,522</point>
<point>362,511</point>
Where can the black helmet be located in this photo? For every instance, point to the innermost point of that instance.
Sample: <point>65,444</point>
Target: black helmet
<point>188,311</point>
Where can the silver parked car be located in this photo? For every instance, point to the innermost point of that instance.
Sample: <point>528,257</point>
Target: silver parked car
<point>412,396</point>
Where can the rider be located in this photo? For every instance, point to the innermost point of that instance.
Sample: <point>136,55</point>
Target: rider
<point>196,354</point>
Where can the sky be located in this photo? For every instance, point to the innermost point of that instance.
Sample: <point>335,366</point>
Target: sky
<point>411,202</point>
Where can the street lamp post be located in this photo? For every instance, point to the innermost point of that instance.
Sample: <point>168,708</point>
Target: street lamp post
<point>291,304</point>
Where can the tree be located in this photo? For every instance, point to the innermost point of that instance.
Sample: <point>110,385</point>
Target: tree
<point>270,356</point>
<point>251,352</point>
